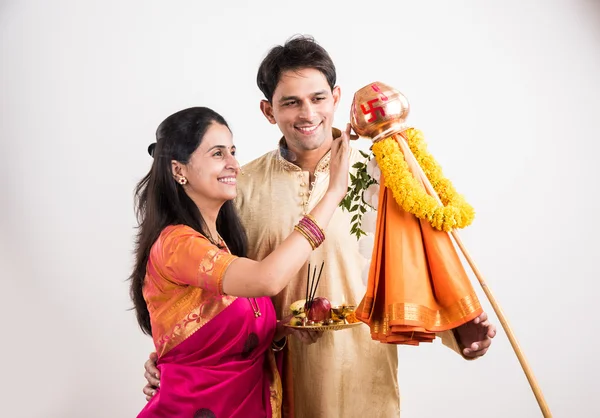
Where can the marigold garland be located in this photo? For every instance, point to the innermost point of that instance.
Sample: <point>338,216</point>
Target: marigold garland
<point>410,193</point>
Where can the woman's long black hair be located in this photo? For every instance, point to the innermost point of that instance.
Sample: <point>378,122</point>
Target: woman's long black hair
<point>160,201</point>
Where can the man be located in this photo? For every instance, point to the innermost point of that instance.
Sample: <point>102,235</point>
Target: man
<point>346,373</point>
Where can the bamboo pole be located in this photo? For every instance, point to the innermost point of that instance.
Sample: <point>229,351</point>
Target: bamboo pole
<point>537,391</point>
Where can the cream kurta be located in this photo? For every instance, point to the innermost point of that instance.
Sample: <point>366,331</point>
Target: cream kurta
<point>346,373</point>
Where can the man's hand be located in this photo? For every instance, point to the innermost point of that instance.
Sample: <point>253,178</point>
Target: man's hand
<point>152,375</point>
<point>475,336</point>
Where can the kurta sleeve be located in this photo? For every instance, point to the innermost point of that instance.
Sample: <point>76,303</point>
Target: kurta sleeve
<point>449,340</point>
<point>186,257</point>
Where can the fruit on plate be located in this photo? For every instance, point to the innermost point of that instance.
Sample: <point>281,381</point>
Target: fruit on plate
<point>298,320</point>
<point>351,318</point>
<point>319,309</point>
<point>298,307</point>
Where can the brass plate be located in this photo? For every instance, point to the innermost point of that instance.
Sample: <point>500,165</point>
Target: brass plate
<point>333,327</point>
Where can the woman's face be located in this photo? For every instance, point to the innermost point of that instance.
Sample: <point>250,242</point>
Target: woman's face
<point>212,170</point>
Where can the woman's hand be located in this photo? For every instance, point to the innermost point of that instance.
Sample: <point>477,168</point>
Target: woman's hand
<point>304,335</point>
<point>339,164</point>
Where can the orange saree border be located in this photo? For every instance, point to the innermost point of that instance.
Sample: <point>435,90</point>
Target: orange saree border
<point>436,320</point>
<point>198,316</point>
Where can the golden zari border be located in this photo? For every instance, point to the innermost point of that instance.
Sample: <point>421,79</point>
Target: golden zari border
<point>275,387</point>
<point>197,317</point>
<point>430,319</point>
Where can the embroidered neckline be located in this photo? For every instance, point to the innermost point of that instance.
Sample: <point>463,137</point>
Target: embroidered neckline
<point>322,166</point>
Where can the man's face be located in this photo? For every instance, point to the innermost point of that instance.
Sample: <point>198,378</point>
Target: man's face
<point>303,106</point>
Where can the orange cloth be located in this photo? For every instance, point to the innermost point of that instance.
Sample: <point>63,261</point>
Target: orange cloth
<point>417,284</point>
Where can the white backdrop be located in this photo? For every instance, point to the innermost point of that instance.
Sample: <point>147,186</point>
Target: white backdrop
<point>507,94</point>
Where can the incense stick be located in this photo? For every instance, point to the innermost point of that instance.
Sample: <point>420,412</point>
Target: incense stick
<point>319,278</point>
<point>307,280</point>
<point>312,283</point>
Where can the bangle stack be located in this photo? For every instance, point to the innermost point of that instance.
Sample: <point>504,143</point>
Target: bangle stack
<point>310,229</point>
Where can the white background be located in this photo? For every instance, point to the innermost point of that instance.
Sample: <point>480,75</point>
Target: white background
<point>506,92</point>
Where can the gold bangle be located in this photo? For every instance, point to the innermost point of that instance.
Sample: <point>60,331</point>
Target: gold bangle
<point>306,235</point>
<point>277,348</point>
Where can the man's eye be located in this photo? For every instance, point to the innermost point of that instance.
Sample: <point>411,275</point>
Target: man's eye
<point>319,98</point>
<point>289,103</point>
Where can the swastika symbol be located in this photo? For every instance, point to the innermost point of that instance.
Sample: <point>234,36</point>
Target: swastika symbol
<point>372,110</point>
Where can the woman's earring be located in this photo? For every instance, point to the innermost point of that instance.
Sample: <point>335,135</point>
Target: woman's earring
<point>182,180</point>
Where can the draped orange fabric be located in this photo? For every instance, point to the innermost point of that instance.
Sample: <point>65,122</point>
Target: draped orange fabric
<point>417,285</point>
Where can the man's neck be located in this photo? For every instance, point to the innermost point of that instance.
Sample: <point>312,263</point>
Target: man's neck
<point>308,160</point>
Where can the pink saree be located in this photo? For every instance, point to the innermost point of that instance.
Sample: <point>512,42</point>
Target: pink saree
<point>214,353</point>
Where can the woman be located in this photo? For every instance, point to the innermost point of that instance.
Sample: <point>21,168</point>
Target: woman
<point>205,305</point>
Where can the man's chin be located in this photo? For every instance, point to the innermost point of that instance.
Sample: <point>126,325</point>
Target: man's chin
<point>310,143</point>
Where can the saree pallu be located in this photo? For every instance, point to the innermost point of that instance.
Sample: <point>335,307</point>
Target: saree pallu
<point>225,369</point>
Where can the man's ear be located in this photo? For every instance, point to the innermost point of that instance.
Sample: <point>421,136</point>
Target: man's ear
<point>337,95</point>
<point>267,109</point>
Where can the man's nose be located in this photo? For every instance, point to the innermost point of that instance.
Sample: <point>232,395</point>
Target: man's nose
<point>307,111</point>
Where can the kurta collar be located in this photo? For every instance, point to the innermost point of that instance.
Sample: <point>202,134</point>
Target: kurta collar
<point>322,166</point>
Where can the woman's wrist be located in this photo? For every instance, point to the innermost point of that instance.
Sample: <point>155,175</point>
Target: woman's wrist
<point>281,332</point>
<point>278,345</point>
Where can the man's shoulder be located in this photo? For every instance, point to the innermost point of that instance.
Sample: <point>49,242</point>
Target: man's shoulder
<point>257,172</point>
<point>259,163</point>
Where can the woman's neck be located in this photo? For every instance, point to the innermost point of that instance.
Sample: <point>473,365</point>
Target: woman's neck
<point>209,213</point>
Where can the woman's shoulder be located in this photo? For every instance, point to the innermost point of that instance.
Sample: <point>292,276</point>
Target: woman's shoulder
<point>173,236</point>
<point>180,230</point>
